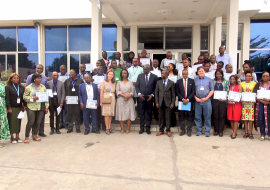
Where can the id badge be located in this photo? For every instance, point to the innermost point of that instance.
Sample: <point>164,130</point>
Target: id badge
<point>134,77</point>
<point>31,100</point>
<point>55,93</point>
<point>202,88</point>
<point>116,78</point>
<point>110,94</point>
<point>18,100</point>
<point>73,89</point>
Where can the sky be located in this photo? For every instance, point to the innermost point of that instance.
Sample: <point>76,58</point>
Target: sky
<point>65,9</point>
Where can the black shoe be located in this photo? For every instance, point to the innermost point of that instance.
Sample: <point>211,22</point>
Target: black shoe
<point>189,133</point>
<point>69,131</point>
<point>141,131</point>
<point>58,132</point>
<point>66,127</point>
<point>182,133</point>
<point>97,132</point>
<point>42,135</point>
<point>148,132</point>
<point>215,134</point>
<point>220,134</point>
<point>52,132</point>
<point>86,132</point>
<point>61,127</point>
<point>78,130</point>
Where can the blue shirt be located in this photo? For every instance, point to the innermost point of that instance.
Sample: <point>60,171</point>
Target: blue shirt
<point>226,58</point>
<point>43,80</point>
<point>63,75</point>
<point>207,84</point>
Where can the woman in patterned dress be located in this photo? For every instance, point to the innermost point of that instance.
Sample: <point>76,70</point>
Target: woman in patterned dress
<point>4,127</point>
<point>248,107</point>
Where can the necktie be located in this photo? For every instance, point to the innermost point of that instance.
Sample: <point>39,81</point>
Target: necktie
<point>185,88</point>
<point>164,86</point>
<point>146,79</point>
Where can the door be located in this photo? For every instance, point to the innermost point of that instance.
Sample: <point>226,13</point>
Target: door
<point>159,57</point>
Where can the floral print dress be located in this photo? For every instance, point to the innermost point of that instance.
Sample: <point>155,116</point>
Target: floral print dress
<point>4,127</point>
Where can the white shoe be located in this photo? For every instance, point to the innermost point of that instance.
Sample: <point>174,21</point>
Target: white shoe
<point>14,142</point>
<point>19,141</point>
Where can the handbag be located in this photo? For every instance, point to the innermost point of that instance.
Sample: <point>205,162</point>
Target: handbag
<point>106,100</point>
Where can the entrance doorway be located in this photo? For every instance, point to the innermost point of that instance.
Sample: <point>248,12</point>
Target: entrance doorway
<point>159,57</point>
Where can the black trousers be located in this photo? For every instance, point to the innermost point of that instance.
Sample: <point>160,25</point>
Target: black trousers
<point>100,119</point>
<point>145,110</point>
<point>219,114</point>
<point>73,115</point>
<point>183,122</point>
<point>53,112</point>
<point>34,119</point>
<point>164,117</point>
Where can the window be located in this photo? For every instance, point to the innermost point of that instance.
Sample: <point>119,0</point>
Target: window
<point>178,37</point>
<point>224,35</point>
<point>204,38</point>
<point>53,61</point>
<point>28,39</point>
<point>56,38</point>
<point>150,38</point>
<point>27,64</point>
<point>109,37</point>
<point>79,38</point>
<point>8,39</point>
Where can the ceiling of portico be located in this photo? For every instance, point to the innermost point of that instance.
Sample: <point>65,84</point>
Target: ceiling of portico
<point>144,12</point>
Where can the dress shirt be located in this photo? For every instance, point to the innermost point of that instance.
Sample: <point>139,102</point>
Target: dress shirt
<point>89,90</point>
<point>191,73</point>
<point>63,75</point>
<point>133,73</point>
<point>213,68</point>
<point>226,58</point>
<point>43,80</point>
<point>186,85</point>
<point>81,75</point>
<point>165,82</point>
<point>155,69</point>
<point>208,86</point>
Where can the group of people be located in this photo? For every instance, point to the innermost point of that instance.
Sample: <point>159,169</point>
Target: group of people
<point>116,88</point>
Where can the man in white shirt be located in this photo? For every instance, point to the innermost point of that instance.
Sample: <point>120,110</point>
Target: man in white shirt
<point>213,66</point>
<point>225,58</point>
<point>167,60</point>
<point>191,72</point>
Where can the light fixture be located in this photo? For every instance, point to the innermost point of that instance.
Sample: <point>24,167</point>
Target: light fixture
<point>131,3</point>
<point>134,12</point>
<point>164,12</point>
<point>190,18</point>
<point>195,1</point>
<point>164,18</point>
<point>163,2</point>
<point>192,11</point>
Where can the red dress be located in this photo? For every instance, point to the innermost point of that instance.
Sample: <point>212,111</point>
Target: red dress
<point>234,111</point>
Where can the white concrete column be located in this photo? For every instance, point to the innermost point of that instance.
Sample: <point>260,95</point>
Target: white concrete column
<point>217,34</point>
<point>134,39</point>
<point>39,28</point>
<point>120,39</point>
<point>96,33</point>
<point>232,31</point>
<point>245,41</point>
<point>211,39</point>
<point>196,42</point>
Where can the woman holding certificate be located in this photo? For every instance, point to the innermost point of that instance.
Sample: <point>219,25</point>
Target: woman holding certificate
<point>248,106</point>
<point>219,102</point>
<point>125,108</point>
<point>234,108</point>
<point>107,98</point>
<point>15,104</point>
<point>262,106</point>
<point>35,109</point>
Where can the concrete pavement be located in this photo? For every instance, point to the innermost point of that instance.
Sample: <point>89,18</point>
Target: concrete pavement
<point>133,161</point>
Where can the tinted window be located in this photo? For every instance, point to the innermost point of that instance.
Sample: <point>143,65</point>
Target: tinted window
<point>55,38</point>
<point>85,58</point>
<point>28,39</point>
<point>150,38</point>
<point>74,62</point>
<point>260,60</point>
<point>204,37</point>
<point>109,37</point>
<point>53,61</point>
<point>7,38</point>
<point>260,35</point>
<point>27,64</point>
<point>178,37</point>
<point>79,38</point>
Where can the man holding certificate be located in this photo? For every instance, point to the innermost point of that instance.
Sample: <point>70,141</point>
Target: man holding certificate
<point>204,90</point>
<point>73,106</point>
<point>165,99</point>
<point>191,71</point>
<point>143,60</point>
<point>166,61</point>
<point>89,99</point>
<point>56,100</point>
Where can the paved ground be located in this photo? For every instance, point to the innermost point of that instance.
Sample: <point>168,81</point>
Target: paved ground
<point>133,161</point>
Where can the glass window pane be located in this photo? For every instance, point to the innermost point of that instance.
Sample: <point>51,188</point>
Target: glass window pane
<point>53,61</point>
<point>178,37</point>
<point>55,38</point>
<point>224,34</point>
<point>8,39</point>
<point>109,37</point>
<point>260,60</point>
<point>11,62</point>
<point>150,38</point>
<point>27,64</point>
<point>85,58</point>
<point>259,35</point>
<point>80,38</point>
<point>204,37</point>
<point>126,39</point>
<point>28,39</point>
<point>2,65</point>
<point>74,62</point>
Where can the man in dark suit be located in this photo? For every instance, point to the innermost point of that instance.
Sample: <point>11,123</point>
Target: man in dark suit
<point>145,87</point>
<point>104,61</point>
<point>165,98</point>
<point>156,68</point>
<point>89,91</point>
<point>185,90</point>
<point>57,99</point>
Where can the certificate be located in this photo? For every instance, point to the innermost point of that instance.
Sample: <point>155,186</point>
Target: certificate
<point>191,76</point>
<point>196,66</point>
<point>179,66</point>
<point>173,78</point>
<point>98,79</point>
<point>167,62</point>
<point>220,95</point>
<point>89,67</point>
<point>42,96</point>
<point>59,109</point>
<point>72,99</point>
<point>49,91</point>
<point>210,75</point>
<point>21,114</point>
<point>235,96</point>
<point>227,76</point>
<point>248,96</point>
<point>263,94</point>
<point>183,107</point>
<point>91,104</point>
<point>63,78</point>
<point>158,73</point>
<point>145,61</point>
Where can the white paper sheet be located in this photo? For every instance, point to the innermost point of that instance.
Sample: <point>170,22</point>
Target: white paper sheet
<point>59,109</point>
<point>21,114</point>
<point>89,67</point>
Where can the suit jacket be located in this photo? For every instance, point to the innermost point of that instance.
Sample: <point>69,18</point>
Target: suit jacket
<point>104,66</point>
<point>168,94</point>
<point>144,89</point>
<point>180,91</point>
<point>67,85</point>
<point>60,90</point>
<point>83,93</point>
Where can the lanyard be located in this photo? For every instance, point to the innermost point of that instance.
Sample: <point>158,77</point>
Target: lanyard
<point>17,90</point>
<point>55,87</point>
<point>247,88</point>
<point>202,82</point>
<point>110,85</point>
<point>135,71</point>
<point>232,89</point>
<point>266,86</point>
<point>218,85</point>
<point>35,89</point>
<point>73,82</point>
